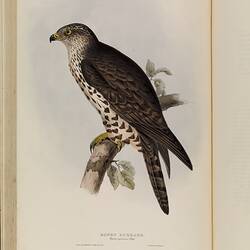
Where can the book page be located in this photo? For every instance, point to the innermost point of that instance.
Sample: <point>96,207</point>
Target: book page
<point>56,124</point>
<point>231,70</point>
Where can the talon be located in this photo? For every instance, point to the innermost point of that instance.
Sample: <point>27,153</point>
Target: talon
<point>99,139</point>
<point>119,144</point>
<point>102,137</point>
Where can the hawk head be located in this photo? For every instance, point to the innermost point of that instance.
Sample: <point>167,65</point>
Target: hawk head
<point>74,34</point>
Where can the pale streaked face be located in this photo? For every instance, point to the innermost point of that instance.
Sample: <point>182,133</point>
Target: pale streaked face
<point>74,34</point>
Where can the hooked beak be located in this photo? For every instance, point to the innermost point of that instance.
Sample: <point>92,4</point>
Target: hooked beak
<point>53,37</point>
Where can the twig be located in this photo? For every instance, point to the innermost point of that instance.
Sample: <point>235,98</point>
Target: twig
<point>100,159</point>
<point>169,101</point>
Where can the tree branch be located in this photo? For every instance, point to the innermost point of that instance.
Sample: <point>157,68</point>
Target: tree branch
<point>169,101</point>
<point>100,160</point>
<point>105,152</point>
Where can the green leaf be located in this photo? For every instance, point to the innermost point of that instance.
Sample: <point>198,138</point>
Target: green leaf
<point>159,87</point>
<point>127,166</point>
<point>126,179</point>
<point>112,173</point>
<point>163,70</point>
<point>150,68</point>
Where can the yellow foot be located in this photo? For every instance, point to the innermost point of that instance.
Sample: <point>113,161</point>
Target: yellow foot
<point>102,137</point>
<point>119,144</point>
<point>99,139</point>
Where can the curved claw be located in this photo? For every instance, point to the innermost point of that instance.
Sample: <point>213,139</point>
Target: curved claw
<point>119,144</point>
<point>99,139</point>
<point>102,137</point>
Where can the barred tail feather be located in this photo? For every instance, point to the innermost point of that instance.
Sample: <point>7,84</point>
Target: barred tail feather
<point>156,177</point>
<point>165,155</point>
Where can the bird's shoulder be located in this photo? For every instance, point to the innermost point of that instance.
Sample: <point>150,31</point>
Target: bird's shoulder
<point>124,85</point>
<point>115,58</point>
<point>116,66</point>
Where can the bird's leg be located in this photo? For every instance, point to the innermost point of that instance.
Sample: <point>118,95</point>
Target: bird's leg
<point>119,144</point>
<point>99,139</point>
<point>102,137</point>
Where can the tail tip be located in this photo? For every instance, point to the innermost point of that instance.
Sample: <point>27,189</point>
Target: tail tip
<point>165,209</point>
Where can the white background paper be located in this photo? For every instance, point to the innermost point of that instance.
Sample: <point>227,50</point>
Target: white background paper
<point>232,122</point>
<point>56,124</point>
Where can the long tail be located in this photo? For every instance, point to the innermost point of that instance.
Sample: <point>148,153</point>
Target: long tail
<point>151,157</point>
<point>165,155</point>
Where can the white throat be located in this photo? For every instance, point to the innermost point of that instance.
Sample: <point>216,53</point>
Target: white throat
<point>76,47</point>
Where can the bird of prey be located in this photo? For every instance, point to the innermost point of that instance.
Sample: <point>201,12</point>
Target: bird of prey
<point>126,100</point>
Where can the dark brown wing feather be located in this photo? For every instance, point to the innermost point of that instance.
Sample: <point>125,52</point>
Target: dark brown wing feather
<point>165,155</point>
<point>131,95</point>
<point>151,157</point>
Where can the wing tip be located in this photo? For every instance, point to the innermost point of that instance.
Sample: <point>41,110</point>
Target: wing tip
<point>189,164</point>
<point>168,173</point>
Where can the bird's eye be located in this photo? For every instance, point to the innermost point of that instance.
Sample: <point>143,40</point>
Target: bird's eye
<point>67,32</point>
